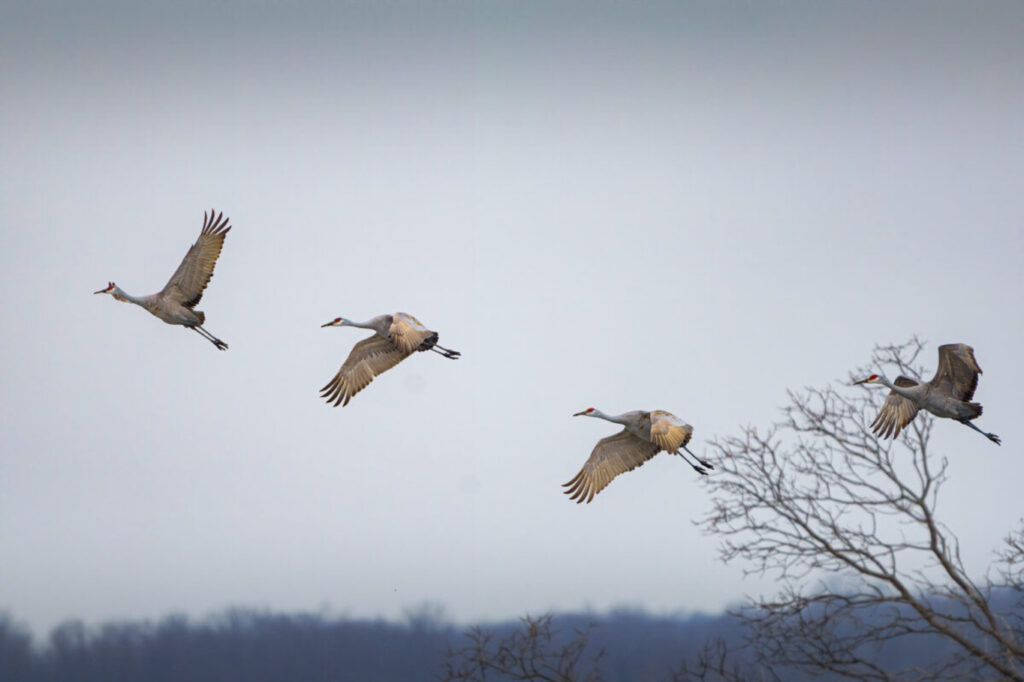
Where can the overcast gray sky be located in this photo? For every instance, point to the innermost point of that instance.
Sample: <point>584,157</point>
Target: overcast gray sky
<point>690,207</point>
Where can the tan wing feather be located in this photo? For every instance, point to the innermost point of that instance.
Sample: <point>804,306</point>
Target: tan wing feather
<point>193,274</point>
<point>369,358</point>
<point>896,412</point>
<point>958,371</point>
<point>408,334</point>
<point>669,431</point>
<point>611,456</point>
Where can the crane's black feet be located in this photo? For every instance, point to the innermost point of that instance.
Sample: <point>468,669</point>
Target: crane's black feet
<point>994,438</point>
<point>220,344</point>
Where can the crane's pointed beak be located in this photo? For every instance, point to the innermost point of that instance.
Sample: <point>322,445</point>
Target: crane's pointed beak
<point>580,414</point>
<point>329,324</point>
<point>101,291</point>
<point>862,381</point>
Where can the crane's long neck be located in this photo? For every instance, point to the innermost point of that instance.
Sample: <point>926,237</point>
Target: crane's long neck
<point>616,418</point>
<point>369,324</point>
<point>380,324</point>
<point>122,295</point>
<point>905,391</point>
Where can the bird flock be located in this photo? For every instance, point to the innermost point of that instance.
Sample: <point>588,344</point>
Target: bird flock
<point>644,434</point>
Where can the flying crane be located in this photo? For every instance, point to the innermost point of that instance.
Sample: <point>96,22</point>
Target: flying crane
<point>175,303</point>
<point>947,395</point>
<point>395,338</point>
<point>645,435</point>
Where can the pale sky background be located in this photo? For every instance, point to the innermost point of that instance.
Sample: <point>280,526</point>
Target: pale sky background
<point>690,207</point>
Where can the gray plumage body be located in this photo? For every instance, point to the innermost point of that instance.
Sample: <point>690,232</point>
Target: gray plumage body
<point>637,422</point>
<point>940,404</point>
<point>170,311</point>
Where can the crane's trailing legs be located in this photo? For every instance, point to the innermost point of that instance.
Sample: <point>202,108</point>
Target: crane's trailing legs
<point>210,337</point>
<point>991,436</point>
<point>696,467</point>
<point>704,464</point>
<point>446,352</point>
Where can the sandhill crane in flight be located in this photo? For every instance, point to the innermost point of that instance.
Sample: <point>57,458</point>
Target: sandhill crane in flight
<point>175,302</point>
<point>646,434</point>
<point>948,394</point>
<point>396,337</point>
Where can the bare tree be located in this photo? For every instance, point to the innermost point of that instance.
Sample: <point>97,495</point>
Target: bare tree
<point>716,662</point>
<point>533,652</point>
<point>847,524</point>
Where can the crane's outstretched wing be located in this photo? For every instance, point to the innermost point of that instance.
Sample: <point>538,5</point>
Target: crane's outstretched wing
<point>896,411</point>
<point>612,456</point>
<point>368,358</point>
<point>669,431</point>
<point>408,334</point>
<point>187,283</point>
<point>958,371</point>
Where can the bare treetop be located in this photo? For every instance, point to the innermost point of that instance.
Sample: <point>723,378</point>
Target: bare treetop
<point>847,523</point>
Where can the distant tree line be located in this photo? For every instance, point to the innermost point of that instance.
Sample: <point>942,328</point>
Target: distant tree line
<point>258,646</point>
